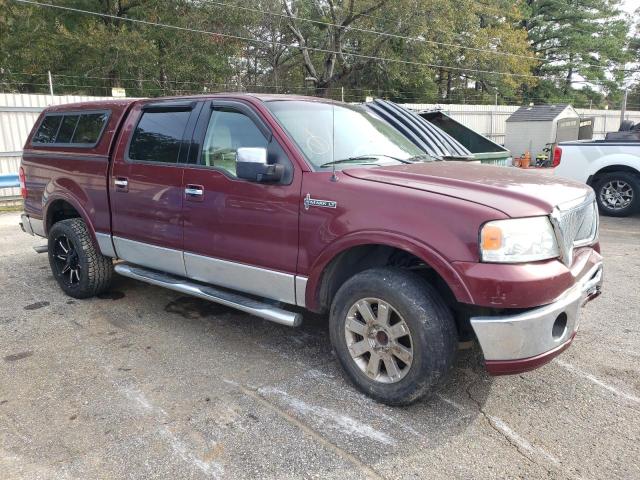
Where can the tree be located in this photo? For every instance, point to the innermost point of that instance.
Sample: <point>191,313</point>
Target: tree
<point>405,50</point>
<point>343,51</point>
<point>90,54</point>
<point>578,39</point>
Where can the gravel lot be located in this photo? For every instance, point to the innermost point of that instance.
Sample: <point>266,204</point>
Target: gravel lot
<point>144,383</point>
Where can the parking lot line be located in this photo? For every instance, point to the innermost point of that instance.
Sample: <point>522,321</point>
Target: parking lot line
<point>522,442</point>
<point>597,381</point>
<point>255,395</point>
<point>212,469</point>
<point>337,420</point>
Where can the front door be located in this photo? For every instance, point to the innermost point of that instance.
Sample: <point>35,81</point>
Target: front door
<point>239,234</point>
<point>146,190</point>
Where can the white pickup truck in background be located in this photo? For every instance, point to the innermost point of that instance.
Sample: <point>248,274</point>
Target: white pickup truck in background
<point>611,167</point>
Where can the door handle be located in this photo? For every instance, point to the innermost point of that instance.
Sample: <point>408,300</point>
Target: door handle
<point>194,191</point>
<point>121,183</point>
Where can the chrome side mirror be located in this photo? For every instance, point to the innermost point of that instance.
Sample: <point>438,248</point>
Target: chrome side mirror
<point>252,165</point>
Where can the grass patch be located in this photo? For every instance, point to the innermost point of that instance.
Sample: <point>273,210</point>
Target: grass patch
<point>11,208</point>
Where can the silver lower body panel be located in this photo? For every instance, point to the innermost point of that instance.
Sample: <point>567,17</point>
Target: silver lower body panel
<point>250,279</point>
<point>105,244</point>
<point>151,256</point>
<point>237,276</point>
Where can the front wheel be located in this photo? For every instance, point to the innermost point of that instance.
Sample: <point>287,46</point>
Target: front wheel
<point>393,334</point>
<point>618,193</point>
<point>78,267</point>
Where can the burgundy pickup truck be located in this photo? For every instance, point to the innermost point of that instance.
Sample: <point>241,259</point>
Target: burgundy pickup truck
<point>265,203</point>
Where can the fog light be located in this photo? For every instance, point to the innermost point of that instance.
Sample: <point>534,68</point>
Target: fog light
<point>559,326</point>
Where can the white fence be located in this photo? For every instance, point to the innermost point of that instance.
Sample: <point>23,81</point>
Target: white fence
<point>18,112</point>
<point>490,120</point>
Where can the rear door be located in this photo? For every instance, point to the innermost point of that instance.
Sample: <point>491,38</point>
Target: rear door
<point>146,184</point>
<point>239,234</point>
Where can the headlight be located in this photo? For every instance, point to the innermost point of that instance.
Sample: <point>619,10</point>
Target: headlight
<point>518,240</point>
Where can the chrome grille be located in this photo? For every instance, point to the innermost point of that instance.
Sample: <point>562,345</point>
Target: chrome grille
<point>575,226</point>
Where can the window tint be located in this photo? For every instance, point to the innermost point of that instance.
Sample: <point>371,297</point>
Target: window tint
<point>67,128</point>
<point>89,128</point>
<point>229,130</point>
<point>158,136</point>
<point>48,129</point>
<point>71,128</point>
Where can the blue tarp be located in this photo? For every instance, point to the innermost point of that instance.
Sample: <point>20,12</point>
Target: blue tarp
<point>8,181</point>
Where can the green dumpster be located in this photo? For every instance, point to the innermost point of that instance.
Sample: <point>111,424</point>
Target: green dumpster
<point>483,149</point>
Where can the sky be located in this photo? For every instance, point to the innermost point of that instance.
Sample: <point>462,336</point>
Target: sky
<point>630,6</point>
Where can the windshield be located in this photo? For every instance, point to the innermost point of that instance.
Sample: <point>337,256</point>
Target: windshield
<point>342,135</point>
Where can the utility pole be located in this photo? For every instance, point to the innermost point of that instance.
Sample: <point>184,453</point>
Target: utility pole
<point>623,110</point>
<point>50,85</point>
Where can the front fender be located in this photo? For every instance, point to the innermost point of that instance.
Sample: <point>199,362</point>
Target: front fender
<point>392,239</point>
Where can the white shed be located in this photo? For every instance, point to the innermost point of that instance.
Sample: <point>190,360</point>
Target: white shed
<point>532,128</point>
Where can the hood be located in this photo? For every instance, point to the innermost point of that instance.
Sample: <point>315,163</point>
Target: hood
<point>516,192</point>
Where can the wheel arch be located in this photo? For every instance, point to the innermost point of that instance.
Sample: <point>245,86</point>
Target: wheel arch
<point>618,167</point>
<point>358,252</point>
<point>61,207</point>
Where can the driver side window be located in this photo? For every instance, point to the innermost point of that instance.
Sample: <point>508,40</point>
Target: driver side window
<point>227,131</point>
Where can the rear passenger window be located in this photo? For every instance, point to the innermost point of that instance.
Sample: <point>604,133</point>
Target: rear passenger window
<point>48,129</point>
<point>67,128</point>
<point>158,136</point>
<point>71,129</point>
<point>90,127</point>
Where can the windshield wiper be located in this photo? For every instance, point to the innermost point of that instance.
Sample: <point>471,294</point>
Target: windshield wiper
<point>423,157</point>
<point>362,157</point>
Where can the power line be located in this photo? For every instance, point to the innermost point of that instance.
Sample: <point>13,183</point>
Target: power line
<point>396,92</point>
<point>254,40</point>
<point>375,32</point>
<point>172,85</point>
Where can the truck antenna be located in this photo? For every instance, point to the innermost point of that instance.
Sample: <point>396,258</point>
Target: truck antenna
<point>334,178</point>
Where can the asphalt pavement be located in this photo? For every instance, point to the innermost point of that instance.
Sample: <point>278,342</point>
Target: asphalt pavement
<point>145,383</point>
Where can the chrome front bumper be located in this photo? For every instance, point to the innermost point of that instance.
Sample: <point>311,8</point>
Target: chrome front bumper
<point>534,333</point>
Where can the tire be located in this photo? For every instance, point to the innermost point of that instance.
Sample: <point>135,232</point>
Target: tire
<point>81,271</point>
<point>617,193</point>
<point>416,305</point>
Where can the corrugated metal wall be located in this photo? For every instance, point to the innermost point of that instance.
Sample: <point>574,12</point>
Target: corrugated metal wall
<point>18,113</point>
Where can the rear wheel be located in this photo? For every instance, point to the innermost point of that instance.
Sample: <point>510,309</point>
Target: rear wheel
<point>393,335</point>
<point>618,193</point>
<point>80,270</point>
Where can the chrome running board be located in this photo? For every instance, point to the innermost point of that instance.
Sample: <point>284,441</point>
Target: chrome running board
<point>213,294</point>
<point>41,249</point>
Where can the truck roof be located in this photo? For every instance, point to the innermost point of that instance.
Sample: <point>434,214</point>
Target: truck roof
<point>122,103</point>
